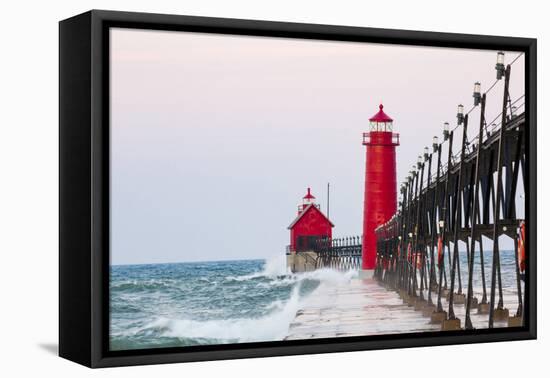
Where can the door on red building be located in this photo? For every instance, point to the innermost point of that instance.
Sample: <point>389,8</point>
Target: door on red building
<point>306,242</point>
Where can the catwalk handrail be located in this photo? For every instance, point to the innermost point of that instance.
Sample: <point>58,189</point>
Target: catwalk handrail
<point>471,197</point>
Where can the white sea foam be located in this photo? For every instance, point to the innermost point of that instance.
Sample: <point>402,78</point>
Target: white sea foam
<point>273,326</point>
<point>324,276</point>
<point>273,267</point>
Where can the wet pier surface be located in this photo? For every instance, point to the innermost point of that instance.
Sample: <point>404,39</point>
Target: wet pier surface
<point>363,307</point>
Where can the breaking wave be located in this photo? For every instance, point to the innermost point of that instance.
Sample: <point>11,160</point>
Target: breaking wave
<point>273,326</point>
<point>258,305</point>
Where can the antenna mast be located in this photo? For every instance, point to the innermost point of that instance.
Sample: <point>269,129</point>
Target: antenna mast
<point>328,200</point>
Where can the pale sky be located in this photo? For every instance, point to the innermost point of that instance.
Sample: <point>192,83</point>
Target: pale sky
<point>215,138</point>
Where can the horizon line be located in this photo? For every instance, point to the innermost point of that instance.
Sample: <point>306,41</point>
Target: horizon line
<point>189,262</point>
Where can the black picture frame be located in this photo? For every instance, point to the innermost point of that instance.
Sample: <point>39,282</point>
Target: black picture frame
<point>84,186</point>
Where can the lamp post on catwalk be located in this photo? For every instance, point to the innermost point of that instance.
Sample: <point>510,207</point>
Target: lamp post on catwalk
<point>380,200</point>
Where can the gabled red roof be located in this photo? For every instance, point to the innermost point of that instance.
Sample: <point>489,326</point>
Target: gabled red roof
<point>381,116</point>
<point>309,208</point>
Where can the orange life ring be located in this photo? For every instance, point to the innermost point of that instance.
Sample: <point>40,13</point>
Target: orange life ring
<point>440,249</point>
<point>521,246</point>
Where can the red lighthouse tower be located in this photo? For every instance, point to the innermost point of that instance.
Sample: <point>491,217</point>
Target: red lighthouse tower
<point>380,201</point>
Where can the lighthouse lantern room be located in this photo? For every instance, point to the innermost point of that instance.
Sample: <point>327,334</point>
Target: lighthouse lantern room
<point>309,225</point>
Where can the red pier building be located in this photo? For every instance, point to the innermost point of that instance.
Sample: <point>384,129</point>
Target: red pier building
<point>310,225</point>
<point>380,201</point>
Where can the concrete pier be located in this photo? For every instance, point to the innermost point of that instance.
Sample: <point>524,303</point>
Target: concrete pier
<point>363,307</point>
<point>301,261</point>
<point>360,307</point>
